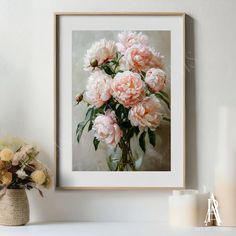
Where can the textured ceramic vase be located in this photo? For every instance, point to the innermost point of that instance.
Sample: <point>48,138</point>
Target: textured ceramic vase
<point>14,208</point>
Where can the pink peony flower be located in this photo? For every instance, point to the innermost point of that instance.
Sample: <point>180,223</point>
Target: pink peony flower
<point>128,88</point>
<point>127,39</point>
<point>98,89</point>
<point>141,58</point>
<point>155,79</point>
<point>99,53</point>
<point>147,113</point>
<point>106,129</point>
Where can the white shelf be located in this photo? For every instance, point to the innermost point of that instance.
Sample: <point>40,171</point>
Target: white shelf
<point>111,229</point>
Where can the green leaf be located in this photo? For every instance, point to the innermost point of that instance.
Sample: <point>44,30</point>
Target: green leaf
<point>99,110</point>
<point>126,125</point>
<point>90,126</point>
<point>120,71</point>
<point>95,143</point>
<point>89,113</point>
<point>164,99</point>
<point>119,117</point>
<point>136,130</point>
<point>143,73</point>
<point>111,104</point>
<point>81,125</point>
<point>114,62</point>
<point>107,69</point>
<point>166,119</point>
<point>119,111</point>
<point>152,137</point>
<point>164,94</point>
<point>116,56</point>
<point>142,141</point>
<point>119,57</point>
<point>80,128</point>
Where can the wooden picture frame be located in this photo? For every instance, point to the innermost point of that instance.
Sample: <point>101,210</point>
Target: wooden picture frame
<point>65,23</point>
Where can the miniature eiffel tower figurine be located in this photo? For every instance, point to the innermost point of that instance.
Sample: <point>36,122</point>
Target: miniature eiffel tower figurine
<point>212,211</point>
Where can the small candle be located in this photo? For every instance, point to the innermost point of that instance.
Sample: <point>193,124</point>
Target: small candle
<point>187,208</point>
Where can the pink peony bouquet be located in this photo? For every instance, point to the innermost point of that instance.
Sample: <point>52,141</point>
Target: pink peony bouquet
<point>126,96</point>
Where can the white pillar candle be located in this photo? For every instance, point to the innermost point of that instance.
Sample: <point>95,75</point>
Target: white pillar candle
<point>225,176</point>
<point>187,208</point>
<point>202,206</point>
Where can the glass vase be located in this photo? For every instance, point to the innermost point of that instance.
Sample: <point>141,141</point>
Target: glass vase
<point>127,156</point>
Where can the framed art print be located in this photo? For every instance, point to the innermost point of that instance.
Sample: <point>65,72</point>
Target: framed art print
<point>120,100</point>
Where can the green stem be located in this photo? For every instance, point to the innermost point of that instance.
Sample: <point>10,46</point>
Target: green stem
<point>166,119</point>
<point>126,160</point>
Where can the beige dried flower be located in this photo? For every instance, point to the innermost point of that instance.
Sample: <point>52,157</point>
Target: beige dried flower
<point>39,177</point>
<point>6,178</point>
<point>6,154</point>
<point>48,182</point>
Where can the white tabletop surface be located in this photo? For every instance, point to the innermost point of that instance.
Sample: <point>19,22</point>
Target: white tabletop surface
<point>111,229</point>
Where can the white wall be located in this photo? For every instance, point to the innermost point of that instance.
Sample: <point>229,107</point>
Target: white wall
<point>26,96</point>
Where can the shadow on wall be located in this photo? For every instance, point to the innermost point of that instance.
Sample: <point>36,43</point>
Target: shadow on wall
<point>191,118</point>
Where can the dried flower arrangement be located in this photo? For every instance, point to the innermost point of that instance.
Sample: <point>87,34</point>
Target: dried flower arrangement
<point>20,167</point>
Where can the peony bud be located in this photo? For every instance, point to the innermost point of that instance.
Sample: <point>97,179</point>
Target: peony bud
<point>79,98</point>
<point>94,63</point>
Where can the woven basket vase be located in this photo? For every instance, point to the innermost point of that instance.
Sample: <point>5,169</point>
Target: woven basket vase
<point>14,208</point>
